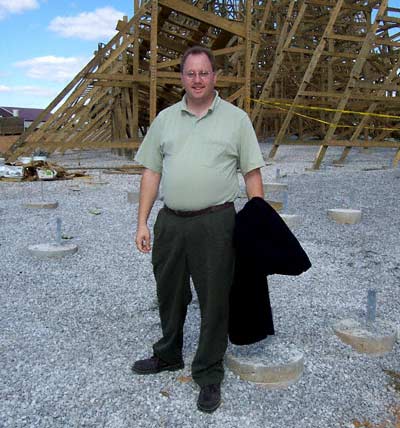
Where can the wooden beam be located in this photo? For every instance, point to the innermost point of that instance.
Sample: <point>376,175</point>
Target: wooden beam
<point>208,18</point>
<point>247,59</point>
<point>153,60</point>
<point>344,143</point>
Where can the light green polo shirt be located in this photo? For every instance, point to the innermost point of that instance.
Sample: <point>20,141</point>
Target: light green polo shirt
<point>198,157</point>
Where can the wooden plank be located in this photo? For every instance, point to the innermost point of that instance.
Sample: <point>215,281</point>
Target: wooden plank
<point>208,18</point>
<point>345,37</point>
<point>343,143</point>
<point>109,144</point>
<point>233,97</point>
<point>396,159</point>
<point>378,87</point>
<point>135,72</point>
<point>153,60</point>
<point>119,77</point>
<point>323,53</point>
<point>388,19</point>
<point>247,58</point>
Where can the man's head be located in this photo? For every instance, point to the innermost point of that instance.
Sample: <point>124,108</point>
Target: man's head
<point>198,75</point>
<point>197,50</point>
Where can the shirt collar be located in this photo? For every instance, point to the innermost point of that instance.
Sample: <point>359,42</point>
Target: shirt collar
<point>214,104</point>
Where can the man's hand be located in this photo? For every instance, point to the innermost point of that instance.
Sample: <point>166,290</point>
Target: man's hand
<point>148,192</point>
<point>143,239</point>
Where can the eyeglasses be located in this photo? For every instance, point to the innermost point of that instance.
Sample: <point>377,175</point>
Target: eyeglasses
<point>202,74</point>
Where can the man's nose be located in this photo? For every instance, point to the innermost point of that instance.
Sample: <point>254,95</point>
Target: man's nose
<point>197,77</point>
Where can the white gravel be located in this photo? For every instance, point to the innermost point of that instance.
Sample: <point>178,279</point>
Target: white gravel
<point>72,327</point>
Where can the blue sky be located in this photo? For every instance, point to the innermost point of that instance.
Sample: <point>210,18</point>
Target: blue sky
<point>44,43</point>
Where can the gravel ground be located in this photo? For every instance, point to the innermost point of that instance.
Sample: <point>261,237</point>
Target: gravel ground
<point>71,328</point>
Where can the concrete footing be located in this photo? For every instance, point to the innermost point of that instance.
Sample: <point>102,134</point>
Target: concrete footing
<point>41,204</point>
<point>274,364</point>
<point>276,205</point>
<point>375,338</point>
<point>292,220</point>
<point>52,250</point>
<point>345,216</point>
<point>133,197</point>
<point>274,187</point>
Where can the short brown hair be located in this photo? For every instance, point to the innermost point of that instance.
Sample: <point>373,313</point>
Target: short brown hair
<point>197,50</point>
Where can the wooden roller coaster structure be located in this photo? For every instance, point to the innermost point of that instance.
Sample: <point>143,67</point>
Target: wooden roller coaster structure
<point>308,72</point>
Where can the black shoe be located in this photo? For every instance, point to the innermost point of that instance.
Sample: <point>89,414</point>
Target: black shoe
<point>155,365</point>
<point>209,398</point>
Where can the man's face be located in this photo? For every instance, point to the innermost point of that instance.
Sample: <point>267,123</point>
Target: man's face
<point>198,85</point>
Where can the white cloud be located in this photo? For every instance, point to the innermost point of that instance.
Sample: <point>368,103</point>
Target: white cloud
<point>98,25</point>
<point>16,6</point>
<point>36,90</point>
<point>28,90</point>
<point>51,68</point>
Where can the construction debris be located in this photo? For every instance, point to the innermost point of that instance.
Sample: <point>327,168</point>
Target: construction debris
<point>35,170</point>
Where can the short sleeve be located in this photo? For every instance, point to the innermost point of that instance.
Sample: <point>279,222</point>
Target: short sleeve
<point>149,154</point>
<point>250,156</point>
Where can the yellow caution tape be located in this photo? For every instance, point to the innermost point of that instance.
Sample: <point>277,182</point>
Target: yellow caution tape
<point>331,125</point>
<point>362,113</point>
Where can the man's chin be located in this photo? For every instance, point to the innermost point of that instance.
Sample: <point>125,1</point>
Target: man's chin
<point>197,94</point>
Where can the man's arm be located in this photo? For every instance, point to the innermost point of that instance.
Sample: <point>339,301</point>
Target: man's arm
<point>254,185</point>
<point>148,192</point>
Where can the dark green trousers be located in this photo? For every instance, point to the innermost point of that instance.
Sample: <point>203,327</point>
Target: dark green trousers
<point>199,247</point>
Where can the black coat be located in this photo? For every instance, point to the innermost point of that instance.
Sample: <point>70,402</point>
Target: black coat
<point>264,245</point>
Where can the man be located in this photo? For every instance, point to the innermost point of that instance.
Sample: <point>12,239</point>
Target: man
<point>194,148</point>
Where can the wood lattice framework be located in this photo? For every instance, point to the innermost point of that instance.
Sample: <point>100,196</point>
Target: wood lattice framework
<point>298,67</point>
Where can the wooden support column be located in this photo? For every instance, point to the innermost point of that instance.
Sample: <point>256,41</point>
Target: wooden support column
<point>135,72</point>
<point>247,61</point>
<point>153,60</point>
<point>396,159</point>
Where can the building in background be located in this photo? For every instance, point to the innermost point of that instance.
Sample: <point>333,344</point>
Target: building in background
<point>14,120</point>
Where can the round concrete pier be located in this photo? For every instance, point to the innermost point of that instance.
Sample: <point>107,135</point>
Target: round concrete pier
<point>292,220</point>
<point>345,216</point>
<point>271,363</point>
<point>52,250</point>
<point>375,338</point>
<point>41,204</point>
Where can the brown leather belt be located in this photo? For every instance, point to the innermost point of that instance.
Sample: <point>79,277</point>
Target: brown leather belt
<point>207,210</point>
